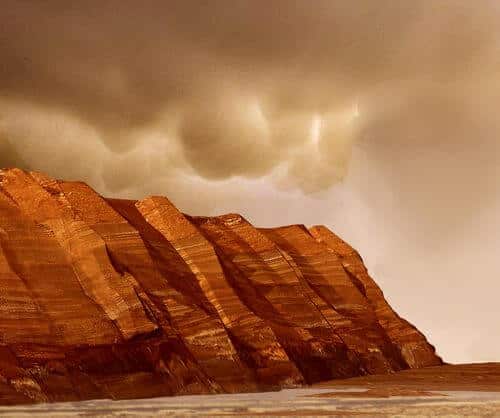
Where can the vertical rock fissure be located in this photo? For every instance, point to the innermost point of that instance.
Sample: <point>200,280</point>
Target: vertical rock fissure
<point>245,250</point>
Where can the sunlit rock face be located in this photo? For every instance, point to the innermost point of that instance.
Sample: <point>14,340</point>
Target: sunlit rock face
<point>106,298</point>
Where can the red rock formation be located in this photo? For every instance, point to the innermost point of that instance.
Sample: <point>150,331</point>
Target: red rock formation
<point>121,299</point>
<point>411,344</point>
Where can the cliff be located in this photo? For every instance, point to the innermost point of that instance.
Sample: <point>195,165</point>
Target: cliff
<point>123,299</point>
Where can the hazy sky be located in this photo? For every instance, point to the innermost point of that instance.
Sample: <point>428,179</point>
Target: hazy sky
<point>376,118</point>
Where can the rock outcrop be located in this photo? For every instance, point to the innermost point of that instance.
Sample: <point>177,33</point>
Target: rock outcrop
<point>123,299</point>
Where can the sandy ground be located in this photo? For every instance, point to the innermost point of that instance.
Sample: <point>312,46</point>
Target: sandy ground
<point>295,402</point>
<point>448,391</point>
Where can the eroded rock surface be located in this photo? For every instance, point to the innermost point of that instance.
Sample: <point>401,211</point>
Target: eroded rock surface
<point>107,298</point>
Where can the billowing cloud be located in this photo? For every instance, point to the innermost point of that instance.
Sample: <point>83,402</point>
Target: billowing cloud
<point>227,88</point>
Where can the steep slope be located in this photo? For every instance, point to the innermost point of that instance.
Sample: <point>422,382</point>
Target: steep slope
<point>121,299</point>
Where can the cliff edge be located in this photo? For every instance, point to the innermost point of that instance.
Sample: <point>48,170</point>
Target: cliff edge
<point>108,298</point>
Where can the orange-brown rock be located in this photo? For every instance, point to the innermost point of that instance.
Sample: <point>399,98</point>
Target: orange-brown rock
<point>122,299</point>
<point>411,343</point>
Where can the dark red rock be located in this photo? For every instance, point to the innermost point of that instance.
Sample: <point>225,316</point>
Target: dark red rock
<point>122,299</point>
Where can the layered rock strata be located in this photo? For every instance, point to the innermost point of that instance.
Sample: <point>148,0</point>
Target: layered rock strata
<point>107,298</point>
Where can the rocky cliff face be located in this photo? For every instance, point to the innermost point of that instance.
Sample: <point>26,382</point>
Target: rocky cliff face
<point>121,299</point>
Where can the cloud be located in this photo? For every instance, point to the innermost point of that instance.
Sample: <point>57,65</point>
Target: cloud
<point>227,88</point>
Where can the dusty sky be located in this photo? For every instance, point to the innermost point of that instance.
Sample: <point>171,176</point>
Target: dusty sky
<point>378,119</point>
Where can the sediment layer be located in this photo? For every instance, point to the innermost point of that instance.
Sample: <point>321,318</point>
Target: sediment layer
<point>108,298</point>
